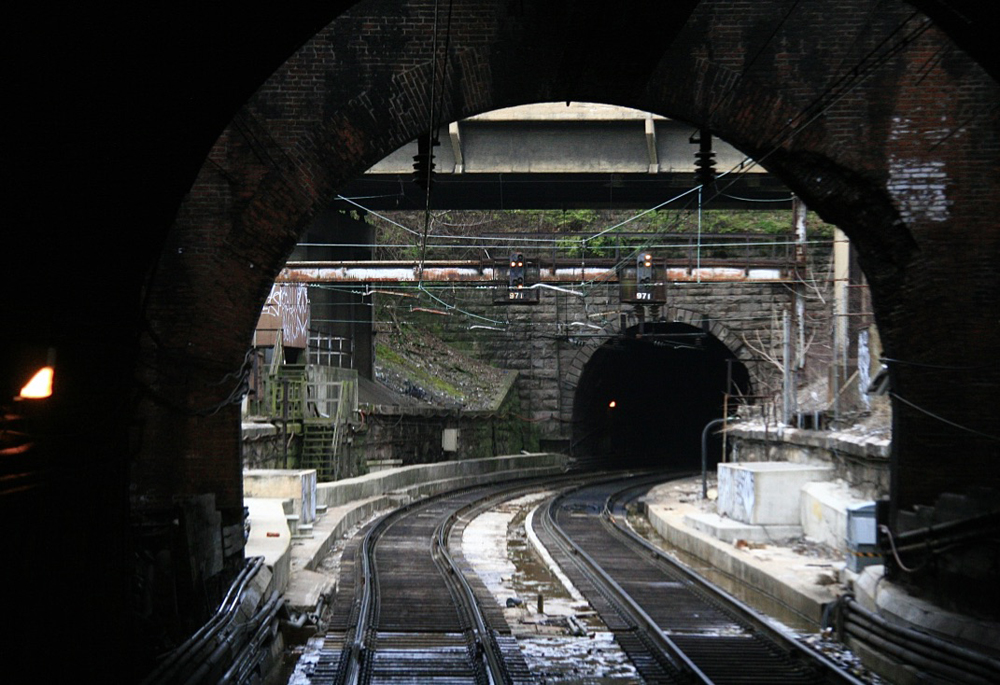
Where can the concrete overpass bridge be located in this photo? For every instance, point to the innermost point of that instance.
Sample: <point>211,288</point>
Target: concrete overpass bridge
<point>193,146</point>
<point>558,155</point>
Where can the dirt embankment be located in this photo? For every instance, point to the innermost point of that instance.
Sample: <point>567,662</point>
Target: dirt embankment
<point>415,363</point>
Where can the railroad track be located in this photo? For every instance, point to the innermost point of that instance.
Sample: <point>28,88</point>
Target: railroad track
<point>674,626</point>
<point>416,623</point>
<point>408,610</point>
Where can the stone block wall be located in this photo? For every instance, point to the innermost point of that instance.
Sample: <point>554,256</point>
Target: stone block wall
<point>860,460</point>
<point>548,344</point>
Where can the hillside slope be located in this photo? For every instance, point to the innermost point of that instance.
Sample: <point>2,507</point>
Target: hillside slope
<point>415,363</point>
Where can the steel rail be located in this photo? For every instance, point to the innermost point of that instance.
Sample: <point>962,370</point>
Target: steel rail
<point>619,596</point>
<point>359,655</point>
<point>356,653</point>
<point>745,613</point>
<point>758,631</point>
<point>486,650</point>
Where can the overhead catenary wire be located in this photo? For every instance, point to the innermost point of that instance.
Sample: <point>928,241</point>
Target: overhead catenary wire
<point>940,418</point>
<point>426,233</point>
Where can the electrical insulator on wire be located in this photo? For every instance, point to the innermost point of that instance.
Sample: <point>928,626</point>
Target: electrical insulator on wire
<point>704,164</point>
<point>423,162</point>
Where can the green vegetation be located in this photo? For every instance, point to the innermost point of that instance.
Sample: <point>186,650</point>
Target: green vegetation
<point>450,231</point>
<point>419,374</point>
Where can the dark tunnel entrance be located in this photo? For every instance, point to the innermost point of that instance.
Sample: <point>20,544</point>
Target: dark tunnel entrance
<point>643,400</point>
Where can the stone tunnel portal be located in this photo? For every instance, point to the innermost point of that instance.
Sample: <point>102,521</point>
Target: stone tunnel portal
<point>643,400</point>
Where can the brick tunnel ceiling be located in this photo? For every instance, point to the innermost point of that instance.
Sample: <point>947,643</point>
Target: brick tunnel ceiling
<point>666,386</point>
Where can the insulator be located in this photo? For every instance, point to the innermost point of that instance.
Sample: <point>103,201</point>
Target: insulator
<point>705,160</point>
<point>423,162</point>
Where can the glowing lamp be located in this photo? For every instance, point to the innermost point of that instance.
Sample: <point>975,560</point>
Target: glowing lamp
<point>40,385</point>
<point>612,404</point>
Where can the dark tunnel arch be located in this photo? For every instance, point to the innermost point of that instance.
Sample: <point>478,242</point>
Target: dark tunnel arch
<point>256,193</point>
<point>118,113</point>
<point>644,399</point>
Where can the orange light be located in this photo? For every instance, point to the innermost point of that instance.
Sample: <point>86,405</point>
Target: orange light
<point>40,385</point>
<point>612,404</point>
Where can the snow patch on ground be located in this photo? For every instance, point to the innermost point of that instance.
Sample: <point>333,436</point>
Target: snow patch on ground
<point>564,643</point>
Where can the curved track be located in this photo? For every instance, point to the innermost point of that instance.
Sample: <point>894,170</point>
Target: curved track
<point>416,622</point>
<point>407,611</point>
<point>675,627</point>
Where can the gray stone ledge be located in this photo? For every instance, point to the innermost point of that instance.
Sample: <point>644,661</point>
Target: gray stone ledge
<point>833,441</point>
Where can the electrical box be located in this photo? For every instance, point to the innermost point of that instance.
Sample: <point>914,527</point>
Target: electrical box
<point>862,537</point>
<point>449,440</point>
<point>861,524</point>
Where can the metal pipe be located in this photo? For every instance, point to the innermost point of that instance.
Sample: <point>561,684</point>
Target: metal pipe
<point>704,451</point>
<point>909,658</point>
<point>168,669</point>
<point>262,627</point>
<point>927,646</point>
<point>913,645</point>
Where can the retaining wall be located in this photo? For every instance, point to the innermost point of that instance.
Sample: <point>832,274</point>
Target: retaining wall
<point>860,460</point>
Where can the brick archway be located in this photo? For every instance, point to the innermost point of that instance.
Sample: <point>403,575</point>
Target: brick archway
<point>913,187</point>
<point>117,113</point>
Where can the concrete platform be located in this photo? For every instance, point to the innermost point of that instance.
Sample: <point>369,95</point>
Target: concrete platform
<point>728,530</point>
<point>789,575</point>
<point>802,575</point>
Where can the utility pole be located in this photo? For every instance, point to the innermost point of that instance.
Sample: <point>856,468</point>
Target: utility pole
<point>841,279</point>
<point>787,371</point>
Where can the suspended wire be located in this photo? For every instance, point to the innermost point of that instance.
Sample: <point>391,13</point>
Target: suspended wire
<point>380,216</point>
<point>757,199</point>
<point>846,83</point>
<point>458,309</point>
<point>753,60</point>
<point>566,244</point>
<point>434,123</point>
<point>941,367</point>
<point>836,91</point>
<point>944,420</point>
<point>640,214</point>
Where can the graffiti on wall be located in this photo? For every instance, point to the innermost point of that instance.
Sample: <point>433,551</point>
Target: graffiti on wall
<point>287,310</point>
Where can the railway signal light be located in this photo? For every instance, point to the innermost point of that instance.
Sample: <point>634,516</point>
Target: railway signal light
<point>520,275</point>
<point>645,283</point>
<point>704,159</point>
<point>644,275</point>
<point>515,276</point>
